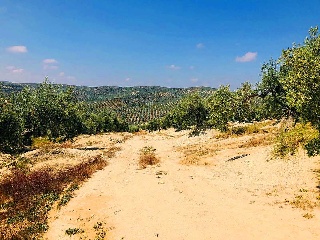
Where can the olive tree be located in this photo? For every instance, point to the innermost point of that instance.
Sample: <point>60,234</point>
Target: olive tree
<point>300,77</point>
<point>221,108</point>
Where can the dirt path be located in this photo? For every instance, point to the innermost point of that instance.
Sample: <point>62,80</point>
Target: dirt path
<point>240,199</point>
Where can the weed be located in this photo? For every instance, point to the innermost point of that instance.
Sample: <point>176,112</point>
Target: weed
<point>100,231</point>
<point>67,195</point>
<point>147,157</point>
<point>73,231</point>
<point>303,202</point>
<point>308,215</point>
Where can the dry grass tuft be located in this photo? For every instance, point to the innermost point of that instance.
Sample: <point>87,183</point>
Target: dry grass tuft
<point>148,157</point>
<point>111,152</point>
<point>197,154</point>
<point>303,202</point>
<point>27,197</point>
<point>259,140</point>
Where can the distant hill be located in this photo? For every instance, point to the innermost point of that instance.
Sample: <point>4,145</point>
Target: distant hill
<point>135,104</point>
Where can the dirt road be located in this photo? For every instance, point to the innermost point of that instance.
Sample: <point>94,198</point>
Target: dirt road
<point>248,197</point>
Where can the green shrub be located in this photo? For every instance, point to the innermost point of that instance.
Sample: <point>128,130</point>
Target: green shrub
<point>11,139</point>
<point>290,139</point>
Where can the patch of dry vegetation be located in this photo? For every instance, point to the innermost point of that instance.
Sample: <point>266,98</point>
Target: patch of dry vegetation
<point>26,197</point>
<point>237,136</point>
<point>198,154</point>
<point>236,130</point>
<point>148,157</point>
<point>258,140</point>
<point>31,184</point>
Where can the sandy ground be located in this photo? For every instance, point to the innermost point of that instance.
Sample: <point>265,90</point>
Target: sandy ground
<point>251,197</point>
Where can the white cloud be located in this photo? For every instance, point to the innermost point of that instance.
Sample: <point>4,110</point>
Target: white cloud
<point>200,45</point>
<point>174,67</point>
<point>13,69</point>
<point>248,57</point>
<point>127,79</point>
<point>61,74</point>
<point>18,70</point>
<point>48,64</point>
<point>49,61</point>
<point>194,80</point>
<point>17,49</point>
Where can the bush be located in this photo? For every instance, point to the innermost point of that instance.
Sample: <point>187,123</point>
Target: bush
<point>11,139</point>
<point>290,139</point>
<point>147,157</point>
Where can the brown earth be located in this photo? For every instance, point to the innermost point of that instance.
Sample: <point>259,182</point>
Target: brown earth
<point>203,188</point>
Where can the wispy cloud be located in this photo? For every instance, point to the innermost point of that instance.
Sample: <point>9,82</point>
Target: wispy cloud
<point>17,49</point>
<point>191,67</point>
<point>194,80</point>
<point>200,45</point>
<point>127,79</point>
<point>174,67</point>
<point>13,69</point>
<point>248,57</point>
<point>49,61</point>
<point>61,74</point>
<point>48,64</point>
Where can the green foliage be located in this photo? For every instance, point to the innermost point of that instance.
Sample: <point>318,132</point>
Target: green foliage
<point>191,111</point>
<point>313,147</point>
<point>154,125</point>
<point>133,128</point>
<point>300,77</point>
<point>11,130</point>
<point>290,139</point>
<point>245,104</point>
<point>221,108</point>
<point>291,87</point>
<point>48,111</point>
<point>272,95</point>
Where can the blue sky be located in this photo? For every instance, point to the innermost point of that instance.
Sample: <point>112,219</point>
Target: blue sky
<point>148,42</point>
